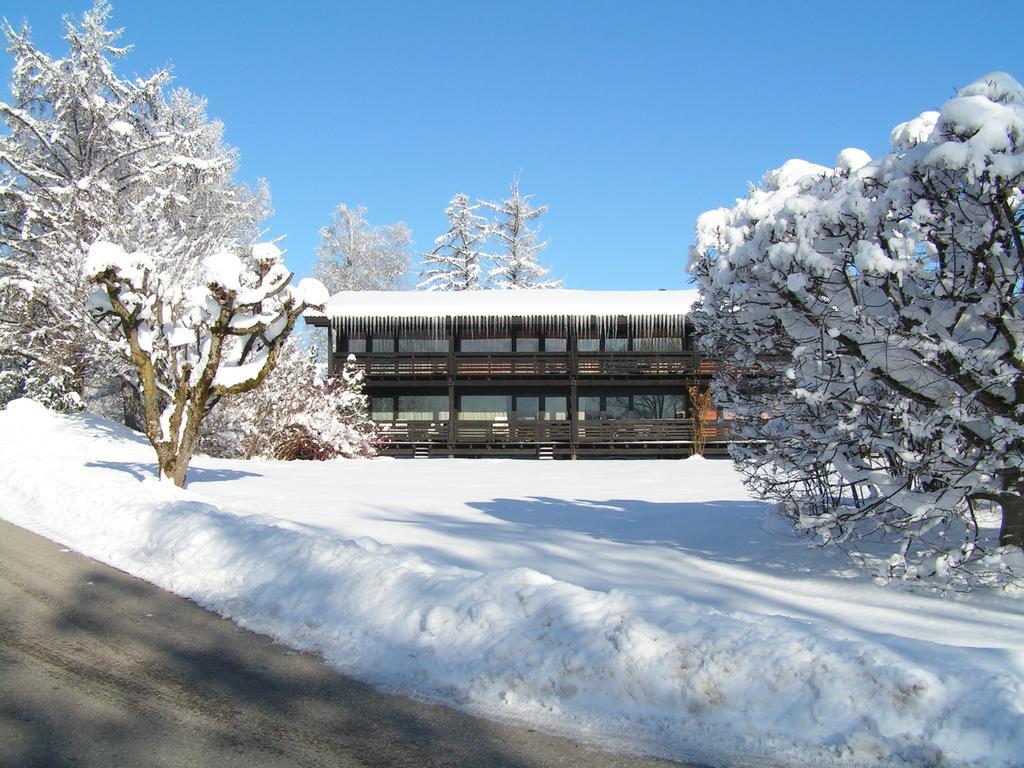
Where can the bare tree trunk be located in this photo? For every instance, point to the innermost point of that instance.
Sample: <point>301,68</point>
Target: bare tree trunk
<point>131,402</point>
<point>700,407</point>
<point>1011,529</point>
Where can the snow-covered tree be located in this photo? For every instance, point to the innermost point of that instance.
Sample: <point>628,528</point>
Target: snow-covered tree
<point>91,155</point>
<point>191,346</point>
<point>871,317</point>
<point>454,264</point>
<point>355,256</point>
<point>516,257</point>
<point>295,413</point>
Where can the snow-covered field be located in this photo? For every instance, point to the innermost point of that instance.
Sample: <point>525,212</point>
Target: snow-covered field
<point>646,604</point>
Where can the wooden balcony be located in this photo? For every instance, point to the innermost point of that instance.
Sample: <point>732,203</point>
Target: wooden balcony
<point>589,432</point>
<point>481,365</point>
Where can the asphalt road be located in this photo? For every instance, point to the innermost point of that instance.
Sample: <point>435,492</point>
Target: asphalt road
<point>101,669</point>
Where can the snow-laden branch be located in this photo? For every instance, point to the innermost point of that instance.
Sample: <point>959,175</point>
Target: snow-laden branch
<point>192,347</point>
<point>887,297</point>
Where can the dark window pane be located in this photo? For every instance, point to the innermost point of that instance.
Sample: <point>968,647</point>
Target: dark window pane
<point>422,407</point>
<point>617,407</point>
<point>527,344</point>
<point>356,345</point>
<point>659,406</point>
<point>382,408</point>
<point>554,344</point>
<point>658,344</point>
<point>485,407</point>
<point>382,344</point>
<point>486,344</point>
<point>589,407</point>
<point>527,408</point>
<point>556,408</point>
<point>416,343</point>
<point>615,344</point>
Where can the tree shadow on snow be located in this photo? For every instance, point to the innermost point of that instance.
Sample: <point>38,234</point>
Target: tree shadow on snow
<point>141,470</point>
<point>726,531</point>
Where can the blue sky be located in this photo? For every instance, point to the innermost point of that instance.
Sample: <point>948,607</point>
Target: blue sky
<point>627,119</point>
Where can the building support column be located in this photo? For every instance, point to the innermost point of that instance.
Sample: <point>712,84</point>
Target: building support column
<point>574,415</point>
<point>452,414</point>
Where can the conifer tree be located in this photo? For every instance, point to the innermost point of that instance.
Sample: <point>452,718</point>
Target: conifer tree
<point>454,264</point>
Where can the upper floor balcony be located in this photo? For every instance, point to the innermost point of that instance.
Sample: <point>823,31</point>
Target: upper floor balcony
<point>528,365</point>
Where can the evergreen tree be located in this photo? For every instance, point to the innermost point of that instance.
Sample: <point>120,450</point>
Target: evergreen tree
<point>454,264</point>
<point>516,263</point>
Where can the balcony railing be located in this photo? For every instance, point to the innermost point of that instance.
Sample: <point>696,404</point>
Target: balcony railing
<point>589,432</point>
<point>470,365</point>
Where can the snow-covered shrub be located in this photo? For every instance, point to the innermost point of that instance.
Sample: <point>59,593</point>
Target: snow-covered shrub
<point>296,414</point>
<point>20,377</point>
<point>872,323</point>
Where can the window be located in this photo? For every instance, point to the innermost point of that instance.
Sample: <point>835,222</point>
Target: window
<point>555,344</point>
<point>527,344</point>
<point>422,407</point>
<point>382,344</point>
<point>617,407</point>
<point>485,407</point>
<point>486,344</point>
<point>659,406</point>
<point>588,407</point>
<point>527,408</point>
<point>356,344</point>
<point>614,344</point>
<point>588,344</point>
<point>382,408</point>
<point>556,408</point>
<point>658,344</point>
<point>415,342</point>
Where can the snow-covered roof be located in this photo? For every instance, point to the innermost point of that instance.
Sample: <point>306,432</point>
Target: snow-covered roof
<point>552,303</point>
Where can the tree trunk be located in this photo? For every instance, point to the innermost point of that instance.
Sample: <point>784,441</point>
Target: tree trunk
<point>131,402</point>
<point>1011,530</point>
<point>174,463</point>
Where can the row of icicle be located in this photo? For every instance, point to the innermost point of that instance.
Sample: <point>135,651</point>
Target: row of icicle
<point>437,327</point>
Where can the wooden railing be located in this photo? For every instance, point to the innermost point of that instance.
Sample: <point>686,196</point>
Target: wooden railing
<point>592,431</point>
<point>491,432</point>
<point>524,364</point>
<point>517,364</point>
<point>637,363</point>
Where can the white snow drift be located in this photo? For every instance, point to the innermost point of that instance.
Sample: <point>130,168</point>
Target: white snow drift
<point>664,670</point>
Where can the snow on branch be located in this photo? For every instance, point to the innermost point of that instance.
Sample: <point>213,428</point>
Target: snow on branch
<point>192,347</point>
<point>874,320</point>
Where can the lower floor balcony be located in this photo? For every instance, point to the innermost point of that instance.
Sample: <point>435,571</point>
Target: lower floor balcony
<point>549,438</point>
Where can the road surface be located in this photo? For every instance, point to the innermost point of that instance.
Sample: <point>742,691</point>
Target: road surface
<point>101,669</point>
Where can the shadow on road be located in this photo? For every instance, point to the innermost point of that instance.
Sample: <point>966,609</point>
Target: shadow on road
<point>100,669</point>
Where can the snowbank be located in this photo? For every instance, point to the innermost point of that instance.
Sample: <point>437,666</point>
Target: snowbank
<point>657,672</point>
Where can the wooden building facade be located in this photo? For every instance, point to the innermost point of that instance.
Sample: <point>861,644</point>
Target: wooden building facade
<point>552,373</point>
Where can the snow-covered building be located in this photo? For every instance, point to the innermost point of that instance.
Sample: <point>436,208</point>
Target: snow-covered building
<point>557,373</point>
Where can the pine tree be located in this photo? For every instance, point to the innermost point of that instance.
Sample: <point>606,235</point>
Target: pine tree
<point>454,264</point>
<point>516,263</point>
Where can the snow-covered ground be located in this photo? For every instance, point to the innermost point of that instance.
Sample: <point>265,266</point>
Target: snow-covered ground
<point>648,604</point>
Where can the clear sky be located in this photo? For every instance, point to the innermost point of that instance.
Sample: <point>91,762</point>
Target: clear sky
<point>628,119</point>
